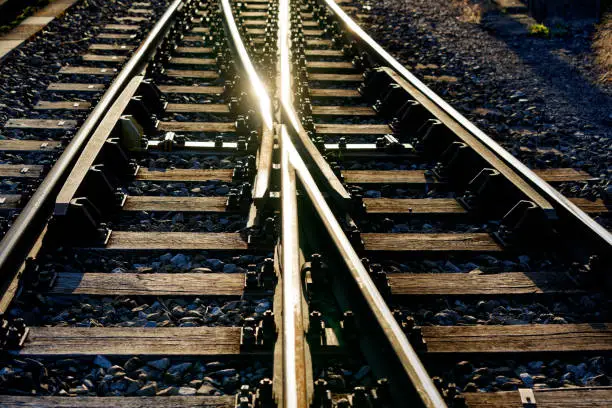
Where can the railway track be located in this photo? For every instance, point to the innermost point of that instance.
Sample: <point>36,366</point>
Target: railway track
<point>265,209</point>
<point>33,141</point>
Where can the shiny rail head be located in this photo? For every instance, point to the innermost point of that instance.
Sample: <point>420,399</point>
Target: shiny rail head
<point>296,390</point>
<point>260,97</point>
<point>257,85</point>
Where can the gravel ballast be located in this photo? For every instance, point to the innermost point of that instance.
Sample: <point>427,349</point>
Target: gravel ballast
<point>111,376</point>
<point>509,375</point>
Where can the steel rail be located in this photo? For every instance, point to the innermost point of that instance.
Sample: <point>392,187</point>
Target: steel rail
<point>408,358</point>
<point>20,238</point>
<point>294,346</point>
<point>295,388</point>
<point>405,353</point>
<point>259,93</point>
<point>527,174</point>
<point>289,114</point>
<point>257,85</point>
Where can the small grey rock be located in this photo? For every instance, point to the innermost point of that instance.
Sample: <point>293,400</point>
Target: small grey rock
<point>133,364</point>
<point>179,369</point>
<point>229,268</point>
<point>527,379</point>
<point>161,364</point>
<point>206,389</point>
<point>168,392</point>
<point>103,362</point>
<point>148,390</point>
<point>227,372</point>
<point>186,391</point>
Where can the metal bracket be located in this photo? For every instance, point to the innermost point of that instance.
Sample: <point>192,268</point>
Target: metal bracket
<point>354,236</point>
<point>319,143</point>
<point>361,397</point>
<point>260,280</point>
<point>409,118</point>
<point>314,270</point>
<point>392,144</point>
<point>482,189</point>
<point>140,111</point>
<point>251,282</point>
<point>33,276</point>
<point>380,279</point>
<point>375,80</point>
<point>248,334</point>
<point>245,398</point>
<point>258,335</point>
<point>433,138</point>
<point>242,126</point>
<point>267,275</point>
<point>171,142</point>
<point>322,395</point>
<point>152,96</point>
<point>239,198</point>
<point>238,104</point>
<point>131,134</point>
<point>84,217</point>
<point>251,166</point>
<point>101,190</point>
<point>412,331</point>
<point>263,396</point>
<point>240,172</point>
<point>520,224</point>
<point>349,327</point>
<point>229,85</point>
<point>117,159</point>
<point>264,235</point>
<point>452,162</point>
<point>358,208</point>
<point>13,334</point>
<point>393,96</point>
<point>316,329</point>
<point>527,397</point>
